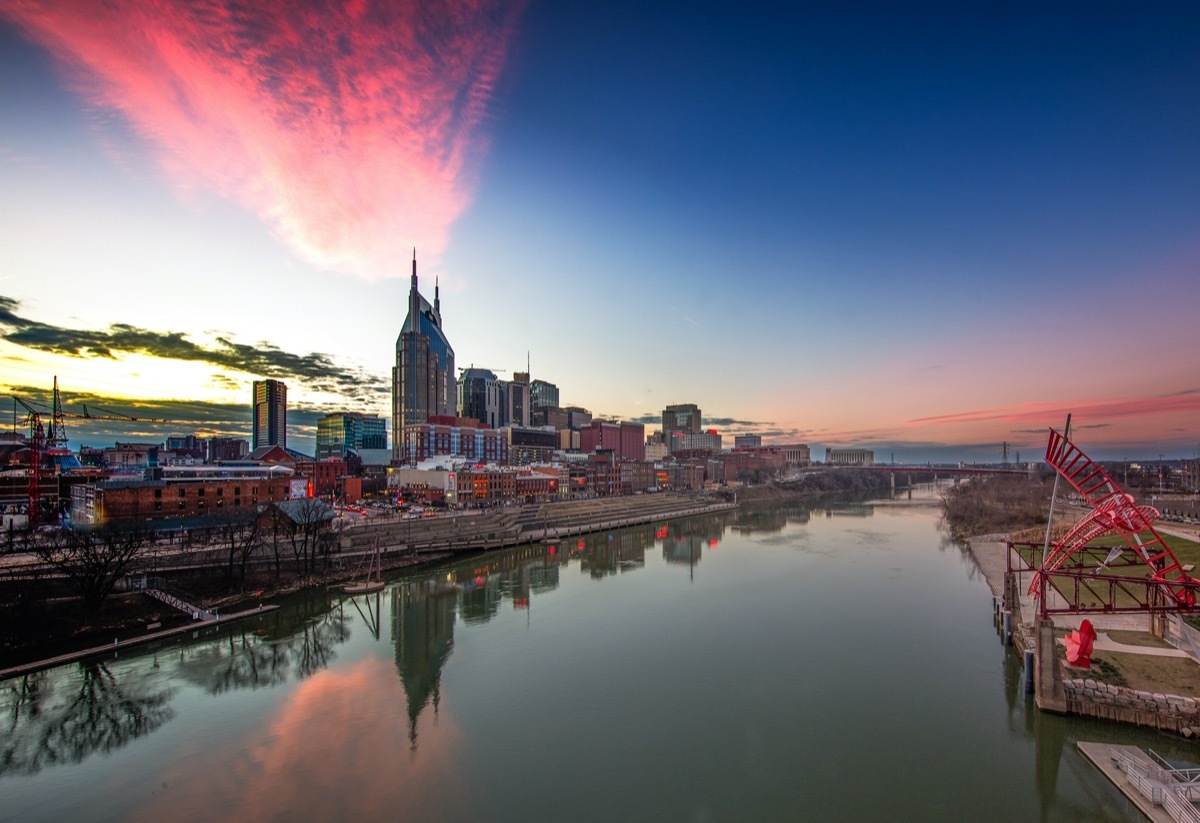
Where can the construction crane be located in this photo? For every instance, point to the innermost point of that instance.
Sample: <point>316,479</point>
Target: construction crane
<point>462,369</point>
<point>112,415</point>
<point>37,438</point>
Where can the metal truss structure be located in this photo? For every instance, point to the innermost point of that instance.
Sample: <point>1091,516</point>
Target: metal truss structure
<point>1113,512</point>
<point>1086,584</point>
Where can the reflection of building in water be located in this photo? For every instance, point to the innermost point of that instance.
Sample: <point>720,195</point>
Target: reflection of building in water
<point>686,540</point>
<point>479,598</point>
<point>607,553</point>
<point>423,631</point>
<point>683,549</point>
<point>851,510</point>
<point>485,581</point>
<point>760,520</point>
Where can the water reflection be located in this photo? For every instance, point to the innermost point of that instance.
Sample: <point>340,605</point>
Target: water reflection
<point>774,517</point>
<point>685,540</point>
<point>851,510</point>
<point>602,555</point>
<point>423,632</point>
<point>66,714</point>
<point>298,640</point>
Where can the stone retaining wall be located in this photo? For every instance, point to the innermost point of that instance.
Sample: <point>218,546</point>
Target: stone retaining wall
<point>1167,712</point>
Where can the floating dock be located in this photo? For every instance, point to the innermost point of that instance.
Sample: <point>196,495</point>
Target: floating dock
<point>1163,793</point>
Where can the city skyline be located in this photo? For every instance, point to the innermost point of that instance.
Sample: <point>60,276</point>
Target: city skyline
<point>922,232</point>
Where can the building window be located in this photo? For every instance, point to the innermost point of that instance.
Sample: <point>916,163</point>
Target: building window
<point>158,494</point>
<point>237,490</point>
<point>158,505</point>
<point>182,492</point>
<point>200,492</point>
<point>181,505</point>
<point>200,504</point>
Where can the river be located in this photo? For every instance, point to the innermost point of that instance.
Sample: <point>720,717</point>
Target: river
<point>837,662</point>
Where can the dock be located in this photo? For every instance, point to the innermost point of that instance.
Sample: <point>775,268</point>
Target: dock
<point>139,640</point>
<point>1162,793</point>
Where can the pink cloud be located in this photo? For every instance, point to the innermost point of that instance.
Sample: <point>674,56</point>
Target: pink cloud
<point>354,130</point>
<point>354,716</point>
<point>1100,409</point>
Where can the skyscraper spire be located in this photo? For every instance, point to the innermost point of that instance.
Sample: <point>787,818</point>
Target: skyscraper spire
<point>437,301</point>
<point>414,274</point>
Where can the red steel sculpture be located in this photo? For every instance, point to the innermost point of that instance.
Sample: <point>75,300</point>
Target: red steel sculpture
<point>1112,511</point>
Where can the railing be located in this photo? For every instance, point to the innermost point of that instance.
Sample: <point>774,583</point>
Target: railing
<point>1189,638</point>
<point>182,605</point>
<point>1163,786</point>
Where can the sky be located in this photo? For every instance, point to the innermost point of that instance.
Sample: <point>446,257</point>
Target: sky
<point>927,229</point>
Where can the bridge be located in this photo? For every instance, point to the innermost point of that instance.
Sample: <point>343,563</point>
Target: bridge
<point>938,471</point>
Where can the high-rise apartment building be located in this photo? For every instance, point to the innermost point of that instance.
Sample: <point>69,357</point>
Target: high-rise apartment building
<point>423,379</point>
<point>270,414</point>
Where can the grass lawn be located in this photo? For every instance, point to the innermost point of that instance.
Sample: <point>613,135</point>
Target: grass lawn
<point>1165,675</point>
<point>1188,551</point>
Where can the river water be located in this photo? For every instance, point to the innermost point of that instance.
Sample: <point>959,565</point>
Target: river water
<point>837,662</point>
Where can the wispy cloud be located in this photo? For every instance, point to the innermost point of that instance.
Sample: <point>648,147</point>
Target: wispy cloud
<point>353,129</point>
<point>181,416</point>
<point>317,371</point>
<point>685,317</point>
<point>1182,401</point>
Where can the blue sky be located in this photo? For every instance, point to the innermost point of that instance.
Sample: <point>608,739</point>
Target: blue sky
<point>925,229</point>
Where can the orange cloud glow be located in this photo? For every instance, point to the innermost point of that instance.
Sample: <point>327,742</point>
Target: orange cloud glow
<point>353,129</point>
<point>338,748</point>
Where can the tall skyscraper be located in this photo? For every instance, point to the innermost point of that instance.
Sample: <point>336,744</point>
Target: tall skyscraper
<point>270,413</point>
<point>423,379</point>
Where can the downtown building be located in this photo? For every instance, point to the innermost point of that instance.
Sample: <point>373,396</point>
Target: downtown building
<point>423,379</point>
<point>454,437</point>
<point>270,414</point>
<point>344,432</point>
<point>479,396</point>
<point>849,457</point>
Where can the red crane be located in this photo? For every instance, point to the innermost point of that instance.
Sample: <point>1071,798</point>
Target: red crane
<point>41,444</point>
<point>37,444</point>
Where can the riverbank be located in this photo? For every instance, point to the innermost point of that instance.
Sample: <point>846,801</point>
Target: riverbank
<point>1135,677</point>
<point>41,629</point>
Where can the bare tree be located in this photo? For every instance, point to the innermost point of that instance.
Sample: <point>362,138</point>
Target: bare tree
<point>95,560</point>
<point>239,533</point>
<point>304,525</point>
